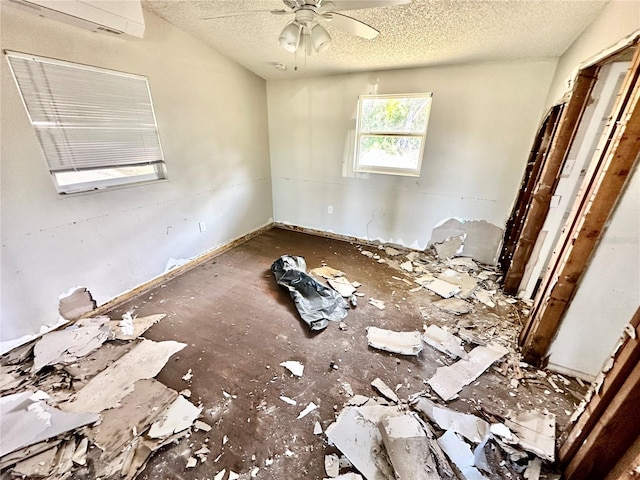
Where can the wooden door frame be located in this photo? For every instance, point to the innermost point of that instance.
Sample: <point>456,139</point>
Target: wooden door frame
<point>603,185</point>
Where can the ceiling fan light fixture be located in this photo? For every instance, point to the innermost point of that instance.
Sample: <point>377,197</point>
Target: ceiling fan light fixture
<point>306,44</point>
<point>320,38</point>
<point>290,36</point>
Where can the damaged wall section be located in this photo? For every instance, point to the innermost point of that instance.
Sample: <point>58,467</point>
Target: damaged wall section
<point>117,240</point>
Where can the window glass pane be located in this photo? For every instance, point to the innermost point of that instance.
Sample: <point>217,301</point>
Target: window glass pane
<point>394,114</point>
<point>390,151</point>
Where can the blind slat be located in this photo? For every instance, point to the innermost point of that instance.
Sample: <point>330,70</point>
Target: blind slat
<point>87,118</point>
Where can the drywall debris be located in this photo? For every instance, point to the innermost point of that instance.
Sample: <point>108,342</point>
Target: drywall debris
<point>66,346</point>
<point>461,455</point>
<point>480,239</point>
<point>200,425</point>
<point>332,465</point>
<point>220,475</point>
<point>535,432</point>
<point>346,476</point>
<point>448,381</point>
<point>405,343</point>
<point>462,262</point>
<point>98,360</point>
<point>355,433</point>
<point>455,306</point>
<point>342,286</point>
<point>307,410</point>
<point>466,282</point>
<point>407,447</point>
<point>40,465</point>
<point>358,400</point>
<point>80,455</point>
<point>296,368</point>
<point>442,288</point>
<point>315,303</point>
<point>120,426</point>
<point>367,253</point>
<point>288,400</point>
<point>131,327</point>
<point>187,376</point>
<point>233,475</point>
<point>449,247</point>
<point>75,303</point>
<point>191,462</point>
<point>326,272</point>
<point>443,341</point>
<point>254,472</point>
<point>407,266</point>
<point>533,469</point>
<point>424,406</point>
<point>106,389</point>
<point>384,390</point>
<point>27,419</point>
<point>317,428</point>
<point>486,297</point>
<point>423,280</point>
<point>178,417</point>
<point>392,252</point>
<point>501,430</point>
<point>379,304</point>
<point>471,427</point>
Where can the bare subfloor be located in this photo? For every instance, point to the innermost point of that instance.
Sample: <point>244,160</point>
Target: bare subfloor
<point>240,325</point>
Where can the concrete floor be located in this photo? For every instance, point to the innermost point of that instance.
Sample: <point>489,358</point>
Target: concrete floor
<point>240,325</point>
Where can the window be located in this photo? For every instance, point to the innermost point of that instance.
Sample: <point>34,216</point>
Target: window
<point>391,132</point>
<point>96,127</point>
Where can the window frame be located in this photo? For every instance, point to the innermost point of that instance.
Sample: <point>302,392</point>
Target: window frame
<point>110,170</point>
<point>390,170</point>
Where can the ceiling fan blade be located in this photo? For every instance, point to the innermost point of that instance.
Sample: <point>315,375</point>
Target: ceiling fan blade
<point>251,12</point>
<point>350,25</point>
<point>341,5</point>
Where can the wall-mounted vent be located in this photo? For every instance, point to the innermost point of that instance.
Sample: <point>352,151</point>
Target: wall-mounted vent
<point>111,17</point>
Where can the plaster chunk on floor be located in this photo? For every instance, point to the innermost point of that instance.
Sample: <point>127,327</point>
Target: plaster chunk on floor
<point>444,341</point>
<point>178,417</point>
<point>404,343</point>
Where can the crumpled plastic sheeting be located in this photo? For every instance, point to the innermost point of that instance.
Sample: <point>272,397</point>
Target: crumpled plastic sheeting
<point>316,303</point>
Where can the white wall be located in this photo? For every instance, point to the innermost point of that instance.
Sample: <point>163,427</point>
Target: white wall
<point>483,121</point>
<point>213,126</point>
<point>608,294</point>
<point>617,20</point>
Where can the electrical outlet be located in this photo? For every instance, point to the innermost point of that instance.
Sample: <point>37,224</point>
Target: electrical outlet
<point>330,209</point>
<point>202,226</point>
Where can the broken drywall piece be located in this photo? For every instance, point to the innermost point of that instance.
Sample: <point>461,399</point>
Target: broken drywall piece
<point>233,475</point>
<point>138,410</point>
<point>326,272</point>
<point>535,432</point>
<point>407,266</point>
<point>461,455</point>
<point>288,400</point>
<point>346,476</point>
<point>40,465</point>
<point>473,428</point>
<point>533,470</point>
<point>392,252</point>
<point>191,462</point>
<point>316,303</point>
<point>200,425</point>
<point>66,346</point>
<point>355,433</point>
<point>98,360</point>
<point>448,381</point>
<point>404,343</point>
<point>501,430</point>
<point>466,282</point>
<point>442,288</point>
<point>296,368</point>
<point>486,297</point>
<point>463,262</point>
<point>106,389</point>
<point>80,455</point>
<point>220,475</point>
<point>407,447</point>
<point>131,327</point>
<point>423,280</point>
<point>343,286</point>
<point>75,303</point>
<point>317,428</point>
<point>307,410</point>
<point>178,417</point>
<point>455,306</point>
<point>384,390</point>
<point>481,239</point>
<point>27,419</point>
<point>443,341</point>
<point>332,465</point>
<point>379,304</point>
<point>449,247</point>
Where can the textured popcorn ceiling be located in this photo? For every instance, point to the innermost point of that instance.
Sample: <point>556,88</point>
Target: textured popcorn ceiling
<point>424,33</point>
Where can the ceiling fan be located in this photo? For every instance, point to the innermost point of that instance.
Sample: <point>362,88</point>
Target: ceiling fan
<point>306,34</point>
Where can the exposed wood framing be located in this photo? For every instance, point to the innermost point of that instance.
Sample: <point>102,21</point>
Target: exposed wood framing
<point>604,181</point>
<point>537,210</point>
<point>610,422</point>
<point>513,231</point>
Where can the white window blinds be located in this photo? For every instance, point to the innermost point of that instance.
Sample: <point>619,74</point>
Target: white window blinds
<point>86,117</point>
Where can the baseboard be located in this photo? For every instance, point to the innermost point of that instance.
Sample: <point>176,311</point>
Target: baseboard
<point>570,372</point>
<point>331,235</point>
